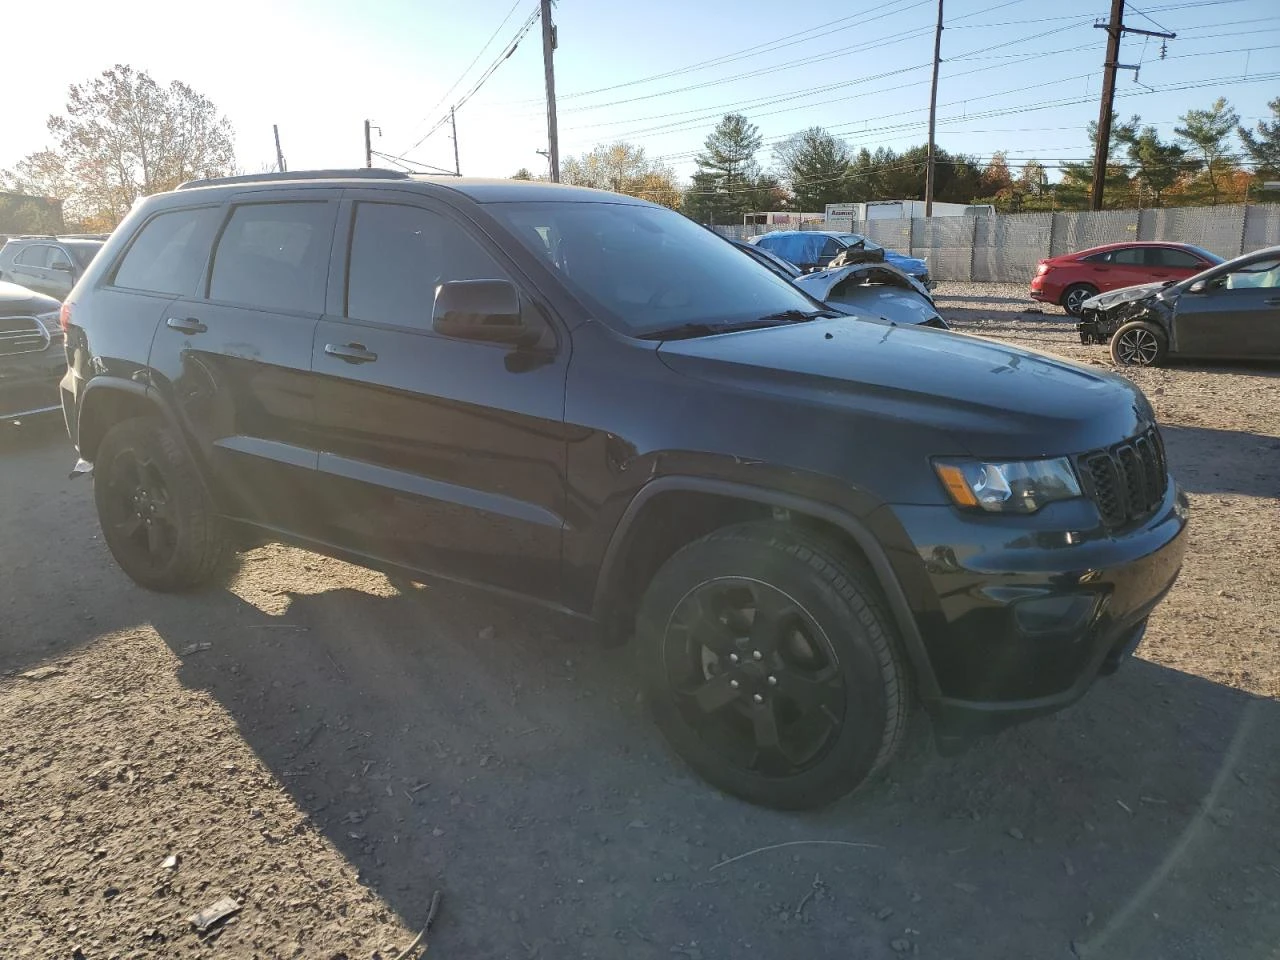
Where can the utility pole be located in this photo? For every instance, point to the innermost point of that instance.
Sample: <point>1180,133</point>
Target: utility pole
<point>457,168</point>
<point>275,129</point>
<point>548,65</point>
<point>1102,149</point>
<point>368,146</point>
<point>930,170</point>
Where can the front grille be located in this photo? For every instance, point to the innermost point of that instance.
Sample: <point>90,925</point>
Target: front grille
<point>22,335</point>
<point>1128,481</point>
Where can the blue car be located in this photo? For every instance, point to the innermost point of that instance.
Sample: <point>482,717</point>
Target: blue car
<point>812,250</point>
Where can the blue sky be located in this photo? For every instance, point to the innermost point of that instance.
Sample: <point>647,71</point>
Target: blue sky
<point>1020,75</point>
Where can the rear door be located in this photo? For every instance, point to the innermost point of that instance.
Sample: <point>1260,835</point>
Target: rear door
<point>235,356</point>
<point>1237,314</point>
<point>1128,267</point>
<point>30,268</point>
<point>441,454</point>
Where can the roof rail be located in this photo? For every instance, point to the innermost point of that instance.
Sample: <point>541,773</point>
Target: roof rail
<point>359,173</point>
<point>33,236</point>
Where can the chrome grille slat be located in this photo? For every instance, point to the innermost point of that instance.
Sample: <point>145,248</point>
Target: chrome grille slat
<point>22,335</point>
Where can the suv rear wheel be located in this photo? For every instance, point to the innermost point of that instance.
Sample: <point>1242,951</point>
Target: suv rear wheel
<point>770,666</point>
<point>155,514</point>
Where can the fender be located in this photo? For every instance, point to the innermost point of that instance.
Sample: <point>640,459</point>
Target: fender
<point>100,387</point>
<point>887,580</point>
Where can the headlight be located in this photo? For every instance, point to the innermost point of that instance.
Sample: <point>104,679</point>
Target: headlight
<point>50,321</point>
<point>1023,486</point>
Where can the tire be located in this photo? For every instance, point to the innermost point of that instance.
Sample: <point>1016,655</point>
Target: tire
<point>822,691</point>
<point>1074,296</point>
<point>1139,344</point>
<point>156,516</point>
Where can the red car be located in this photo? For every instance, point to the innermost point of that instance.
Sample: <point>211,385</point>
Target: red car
<point>1071,279</point>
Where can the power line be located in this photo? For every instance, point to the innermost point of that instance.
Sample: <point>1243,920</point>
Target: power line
<point>488,72</point>
<point>454,85</point>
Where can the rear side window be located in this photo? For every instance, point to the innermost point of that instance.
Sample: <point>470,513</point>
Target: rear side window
<point>1099,257</point>
<point>275,256</point>
<point>36,255</point>
<point>58,258</point>
<point>400,254</point>
<point>1180,259</point>
<point>1130,257</point>
<point>169,253</point>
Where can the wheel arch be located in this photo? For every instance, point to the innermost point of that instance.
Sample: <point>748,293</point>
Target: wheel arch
<point>639,545</point>
<point>110,400</point>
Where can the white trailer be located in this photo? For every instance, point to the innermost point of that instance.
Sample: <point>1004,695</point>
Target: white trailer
<point>901,210</point>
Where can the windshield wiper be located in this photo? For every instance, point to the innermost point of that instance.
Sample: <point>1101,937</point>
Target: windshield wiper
<point>687,331</point>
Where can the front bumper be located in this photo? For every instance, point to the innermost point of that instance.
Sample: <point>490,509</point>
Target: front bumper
<point>1020,622</point>
<point>29,384</point>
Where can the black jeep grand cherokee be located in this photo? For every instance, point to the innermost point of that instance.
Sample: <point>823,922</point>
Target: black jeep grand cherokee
<point>810,523</point>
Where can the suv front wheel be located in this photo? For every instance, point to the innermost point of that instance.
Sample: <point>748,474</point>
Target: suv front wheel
<point>770,666</point>
<point>155,513</point>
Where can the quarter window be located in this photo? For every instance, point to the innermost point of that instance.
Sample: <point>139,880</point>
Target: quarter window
<point>400,254</point>
<point>169,253</point>
<point>275,256</point>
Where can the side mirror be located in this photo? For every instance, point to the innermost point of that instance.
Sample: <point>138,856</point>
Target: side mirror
<point>1197,287</point>
<point>487,310</point>
<point>63,266</point>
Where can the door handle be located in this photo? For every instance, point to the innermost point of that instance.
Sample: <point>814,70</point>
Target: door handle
<point>350,352</point>
<point>185,324</point>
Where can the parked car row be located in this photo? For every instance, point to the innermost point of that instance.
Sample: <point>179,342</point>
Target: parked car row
<point>808,524</point>
<point>36,273</point>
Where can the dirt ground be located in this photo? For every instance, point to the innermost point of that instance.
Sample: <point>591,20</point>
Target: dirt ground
<point>328,748</point>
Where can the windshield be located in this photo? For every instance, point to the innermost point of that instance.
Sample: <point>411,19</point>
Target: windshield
<point>859,241</point>
<point>1201,252</point>
<point>644,269</point>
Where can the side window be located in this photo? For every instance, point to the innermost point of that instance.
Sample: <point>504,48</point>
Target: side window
<point>1100,257</point>
<point>829,249</point>
<point>58,259</point>
<point>1130,257</point>
<point>1177,259</point>
<point>36,255</point>
<point>1259,274</point>
<point>169,253</point>
<point>275,256</point>
<point>399,255</point>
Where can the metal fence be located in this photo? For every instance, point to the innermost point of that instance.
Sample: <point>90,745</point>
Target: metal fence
<point>1005,248</point>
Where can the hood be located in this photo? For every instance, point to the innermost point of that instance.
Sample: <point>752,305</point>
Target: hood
<point>987,398</point>
<point>19,300</point>
<point>912,265</point>
<point>1113,298</point>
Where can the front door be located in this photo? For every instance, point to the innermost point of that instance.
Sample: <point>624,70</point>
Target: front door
<point>236,355</point>
<point>440,454</point>
<point>1236,315</point>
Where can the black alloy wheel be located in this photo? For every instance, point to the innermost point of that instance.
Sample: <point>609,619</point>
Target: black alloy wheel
<point>138,509</point>
<point>1073,301</point>
<point>755,675</point>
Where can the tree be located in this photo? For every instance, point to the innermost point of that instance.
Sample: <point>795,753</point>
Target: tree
<point>1206,131</point>
<point>1073,192</point>
<point>814,164</point>
<point>623,168</point>
<point>996,176</point>
<point>123,136</point>
<point>1264,148</point>
<point>1158,164</point>
<point>729,162</point>
<point>522,174</point>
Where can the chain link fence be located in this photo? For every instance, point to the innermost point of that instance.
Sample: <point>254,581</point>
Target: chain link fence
<point>1005,248</point>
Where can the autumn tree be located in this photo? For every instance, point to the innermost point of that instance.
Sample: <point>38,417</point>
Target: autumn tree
<point>996,176</point>
<point>622,168</point>
<point>1263,147</point>
<point>1157,165</point>
<point>522,174</point>
<point>1207,133</point>
<point>123,136</point>
<point>814,164</point>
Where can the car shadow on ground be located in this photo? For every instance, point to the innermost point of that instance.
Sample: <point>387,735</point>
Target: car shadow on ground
<point>442,741</point>
<point>1208,460</point>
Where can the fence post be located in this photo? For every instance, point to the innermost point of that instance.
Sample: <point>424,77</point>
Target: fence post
<point>973,245</point>
<point>1244,227</point>
<point>1053,222</point>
